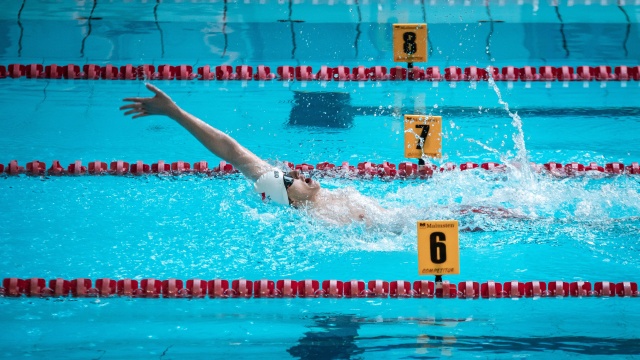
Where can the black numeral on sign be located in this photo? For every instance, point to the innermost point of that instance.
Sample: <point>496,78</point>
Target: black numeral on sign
<point>410,47</point>
<point>423,134</point>
<point>438,248</point>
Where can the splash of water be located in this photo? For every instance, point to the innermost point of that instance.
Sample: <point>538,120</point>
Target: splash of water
<point>520,164</point>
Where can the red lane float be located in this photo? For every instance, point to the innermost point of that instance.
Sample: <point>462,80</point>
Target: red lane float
<point>180,167</point>
<point>378,288</point>
<point>173,288</point>
<point>97,168</point>
<point>140,168</point>
<point>491,166</point>
<point>196,288</point>
<point>59,287</point>
<point>127,287</point>
<point>468,166</point>
<point>535,289</point>
<point>106,287</point>
<point>201,167</point>
<point>400,289</point>
<point>604,289</point>
<point>150,288</point>
<point>218,288</point>
<point>246,72</point>
<point>76,168</point>
<point>333,288</point>
<point>36,168</point>
<point>286,288</point>
<point>423,289</point>
<point>241,288</point>
<point>304,73</point>
<point>469,290</point>
<point>14,169</point>
<point>224,168</point>
<point>119,167</point>
<point>491,290</point>
<point>446,290</point>
<point>364,169</point>
<point>580,289</point>
<point>264,289</point>
<point>514,289</point>
<point>353,289</point>
<point>308,288</point>
<point>263,73</point>
<point>160,167</point>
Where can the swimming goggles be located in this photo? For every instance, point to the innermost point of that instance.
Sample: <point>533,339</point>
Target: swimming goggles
<point>288,181</point>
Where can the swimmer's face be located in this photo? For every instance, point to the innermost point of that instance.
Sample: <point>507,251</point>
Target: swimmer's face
<point>301,189</point>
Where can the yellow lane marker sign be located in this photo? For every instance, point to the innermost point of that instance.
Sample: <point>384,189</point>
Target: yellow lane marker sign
<point>422,136</point>
<point>410,43</point>
<point>438,247</point>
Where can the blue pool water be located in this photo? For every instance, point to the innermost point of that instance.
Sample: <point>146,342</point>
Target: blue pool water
<point>190,226</point>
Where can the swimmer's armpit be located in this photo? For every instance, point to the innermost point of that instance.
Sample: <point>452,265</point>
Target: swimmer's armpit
<point>497,212</point>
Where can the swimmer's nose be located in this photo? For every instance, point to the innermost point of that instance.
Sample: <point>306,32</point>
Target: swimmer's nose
<point>296,174</point>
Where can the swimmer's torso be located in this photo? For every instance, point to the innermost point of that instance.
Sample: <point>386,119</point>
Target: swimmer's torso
<point>344,206</point>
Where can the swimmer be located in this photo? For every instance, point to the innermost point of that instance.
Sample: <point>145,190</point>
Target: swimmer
<point>338,207</point>
<point>293,188</point>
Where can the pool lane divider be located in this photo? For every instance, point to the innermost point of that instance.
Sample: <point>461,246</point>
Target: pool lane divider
<point>562,73</point>
<point>363,169</point>
<point>286,288</point>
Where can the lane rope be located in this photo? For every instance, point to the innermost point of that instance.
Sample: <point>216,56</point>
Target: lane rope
<point>287,288</point>
<point>465,3</point>
<point>564,73</point>
<point>363,169</point>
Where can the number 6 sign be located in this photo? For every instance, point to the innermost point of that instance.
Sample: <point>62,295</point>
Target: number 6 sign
<point>410,42</point>
<point>438,248</point>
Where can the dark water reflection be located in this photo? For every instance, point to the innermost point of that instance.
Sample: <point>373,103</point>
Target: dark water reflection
<point>337,337</point>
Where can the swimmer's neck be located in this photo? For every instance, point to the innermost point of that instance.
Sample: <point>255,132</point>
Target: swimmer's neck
<point>322,196</point>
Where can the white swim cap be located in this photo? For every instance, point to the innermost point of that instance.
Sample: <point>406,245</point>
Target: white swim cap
<point>271,186</point>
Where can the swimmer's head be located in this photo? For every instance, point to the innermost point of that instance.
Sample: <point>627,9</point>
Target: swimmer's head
<point>293,188</point>
<point>301,189</point>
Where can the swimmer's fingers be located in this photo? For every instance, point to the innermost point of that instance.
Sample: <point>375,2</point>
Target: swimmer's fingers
<point>133,111</point>
<point>160,104</point>
<point>137,99</point>
<point>136,113</point>
<point>135,105</point>
<point>155,90</point>
<point>142,114</point>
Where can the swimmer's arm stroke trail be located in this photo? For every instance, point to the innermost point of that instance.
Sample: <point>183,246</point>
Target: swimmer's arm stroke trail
<point>219,143</point>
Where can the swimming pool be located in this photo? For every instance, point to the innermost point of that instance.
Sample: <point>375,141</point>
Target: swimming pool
<point>196,226</point>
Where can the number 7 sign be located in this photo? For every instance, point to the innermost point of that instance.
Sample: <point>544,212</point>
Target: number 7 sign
<point>422,136</point>
<point>438,247</point>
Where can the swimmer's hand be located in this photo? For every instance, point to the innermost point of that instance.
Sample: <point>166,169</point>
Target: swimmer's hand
<point>160,104</point>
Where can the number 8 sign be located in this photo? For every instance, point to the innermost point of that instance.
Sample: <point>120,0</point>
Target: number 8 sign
<point>410,42</point>
<point>438,247</point>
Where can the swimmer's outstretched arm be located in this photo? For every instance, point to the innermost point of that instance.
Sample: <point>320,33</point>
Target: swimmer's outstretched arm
<point>219,143</point>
